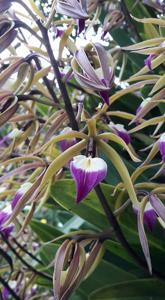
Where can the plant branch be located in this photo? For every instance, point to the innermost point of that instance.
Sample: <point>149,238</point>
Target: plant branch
<point>64,93</point>
<point>23,261</point>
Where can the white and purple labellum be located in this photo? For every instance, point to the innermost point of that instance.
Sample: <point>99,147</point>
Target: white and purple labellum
<point>67,143</point>
<point>87,173</point>
<point>161,146</point>
<point>4,216</point>
<point>120,131</point>
<point>22,190</point>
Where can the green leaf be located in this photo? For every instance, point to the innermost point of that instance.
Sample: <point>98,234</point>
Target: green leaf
<point>148,288</point>
<point>63,192</point>
<point>45,232</point>
<point>105,273</point>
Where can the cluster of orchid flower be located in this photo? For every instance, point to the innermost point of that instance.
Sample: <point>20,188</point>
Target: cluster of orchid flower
<point>81,152</point>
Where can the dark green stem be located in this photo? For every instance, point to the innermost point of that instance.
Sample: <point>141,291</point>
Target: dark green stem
<point>64,93</point>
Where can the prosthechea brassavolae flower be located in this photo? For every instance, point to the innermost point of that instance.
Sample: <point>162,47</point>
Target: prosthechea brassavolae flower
<point>10,136</point>
<point>87,173</point>
<point>92,70</point>
<point>65,144</point>
<point>120,131</point>
<point>4,216</point>
<point>76,9</point>
<point>20,192</point>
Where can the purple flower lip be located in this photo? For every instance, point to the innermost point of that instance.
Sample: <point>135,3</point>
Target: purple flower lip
<point>96,78</point>
<point>161,146</point>
<point>87,173</point>
<point>121,132</point>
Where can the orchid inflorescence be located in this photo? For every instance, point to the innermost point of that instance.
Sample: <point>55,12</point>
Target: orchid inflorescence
<point>47,132</point>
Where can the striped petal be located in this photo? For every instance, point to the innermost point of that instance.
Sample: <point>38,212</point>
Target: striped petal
<point>87,173</point>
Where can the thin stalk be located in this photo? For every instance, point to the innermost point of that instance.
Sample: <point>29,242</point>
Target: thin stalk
<point>64,93</point>
<point>5,284</point>
<point>23,261</point>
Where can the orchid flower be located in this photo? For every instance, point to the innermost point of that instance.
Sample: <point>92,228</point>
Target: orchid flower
<point>21,191</point>
<point>87,173</point>
<point>99,78</point>
<point>12,135</point>
<point>161,146</point>
<point>75,9</point>
<point>65,144</point>
<point>150,216</point>
<point>120,131</point>
<point>4,216</point>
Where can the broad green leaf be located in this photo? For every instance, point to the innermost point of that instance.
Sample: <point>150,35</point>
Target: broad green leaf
<point>148,288</point>
<point>44,232</point>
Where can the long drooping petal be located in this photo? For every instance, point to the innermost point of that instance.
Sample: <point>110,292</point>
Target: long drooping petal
<point>87,173</point>
<point>158,206</point>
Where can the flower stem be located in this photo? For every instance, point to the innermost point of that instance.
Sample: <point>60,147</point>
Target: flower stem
<point>64,93</point>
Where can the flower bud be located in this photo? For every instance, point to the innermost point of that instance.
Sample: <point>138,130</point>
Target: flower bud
<point>68,269</point>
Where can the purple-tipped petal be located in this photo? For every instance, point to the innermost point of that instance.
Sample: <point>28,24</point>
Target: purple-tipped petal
<point>4,216</point>
<point>87,173</point>
<point>23,189</point>
<point>121,132</point>
<point>158,206</point>
<point>144,241</point>
<point>65,144</point>
<point>150,217</point>
<point>148,61</point>
<point>162,146</point>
